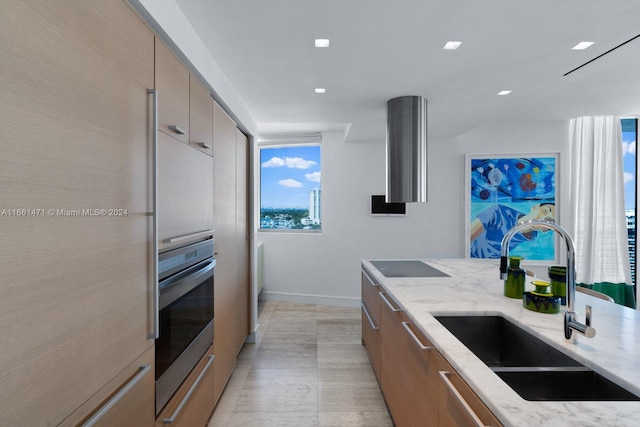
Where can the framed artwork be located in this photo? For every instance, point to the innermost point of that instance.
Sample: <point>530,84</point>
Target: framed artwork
<point>503,190</point>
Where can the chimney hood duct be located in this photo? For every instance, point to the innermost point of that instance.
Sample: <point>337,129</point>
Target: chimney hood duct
<point>407,149</point>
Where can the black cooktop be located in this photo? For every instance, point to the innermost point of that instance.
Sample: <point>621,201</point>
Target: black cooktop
<point>407,268</point>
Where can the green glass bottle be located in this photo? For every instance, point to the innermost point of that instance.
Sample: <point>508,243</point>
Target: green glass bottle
<point>514,285</point>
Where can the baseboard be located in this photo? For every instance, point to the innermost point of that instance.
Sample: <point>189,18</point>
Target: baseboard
<point>309,299</point>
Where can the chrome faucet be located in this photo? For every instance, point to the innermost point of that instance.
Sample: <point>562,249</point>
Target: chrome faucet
<point>570,322</point>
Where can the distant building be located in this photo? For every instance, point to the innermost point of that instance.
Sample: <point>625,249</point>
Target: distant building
<point>631,237</point>
<point>314,206</point>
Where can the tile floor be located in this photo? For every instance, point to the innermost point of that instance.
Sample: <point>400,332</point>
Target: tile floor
<point>307,368</point>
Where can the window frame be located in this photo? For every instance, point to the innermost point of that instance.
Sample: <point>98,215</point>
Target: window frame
<point>288,142</point>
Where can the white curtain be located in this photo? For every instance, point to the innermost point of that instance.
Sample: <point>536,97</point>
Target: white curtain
<point>598,207</point>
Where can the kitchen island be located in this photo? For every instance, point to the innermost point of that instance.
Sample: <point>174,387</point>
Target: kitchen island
<point>474,288</point>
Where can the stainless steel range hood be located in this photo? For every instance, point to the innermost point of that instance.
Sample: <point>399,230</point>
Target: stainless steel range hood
<point>407,149</point>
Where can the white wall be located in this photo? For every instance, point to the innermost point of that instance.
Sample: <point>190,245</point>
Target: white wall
<point>325,268</point>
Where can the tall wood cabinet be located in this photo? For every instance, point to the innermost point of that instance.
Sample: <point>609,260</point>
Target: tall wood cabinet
<point>230,223</point>
<point>75,256</point>
<point>242,239</point>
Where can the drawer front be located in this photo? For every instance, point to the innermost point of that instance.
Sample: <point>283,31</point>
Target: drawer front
<point>371,340</point>
<point>193,403</point>
<point>458,405</point>
<point>129,398</point>
<point>370,297</point>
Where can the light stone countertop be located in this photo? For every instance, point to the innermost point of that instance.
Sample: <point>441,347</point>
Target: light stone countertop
<point>474,288</point>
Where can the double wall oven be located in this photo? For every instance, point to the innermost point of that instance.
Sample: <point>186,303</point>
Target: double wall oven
<point>185,304</point>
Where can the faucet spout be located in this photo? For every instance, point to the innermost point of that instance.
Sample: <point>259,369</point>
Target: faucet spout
<point>571,324</point>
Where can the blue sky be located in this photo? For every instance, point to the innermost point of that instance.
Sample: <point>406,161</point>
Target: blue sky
<point>629,149</point>
<point>287,174</point>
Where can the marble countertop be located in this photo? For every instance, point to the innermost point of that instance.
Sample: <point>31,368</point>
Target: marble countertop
<point>474,288</point>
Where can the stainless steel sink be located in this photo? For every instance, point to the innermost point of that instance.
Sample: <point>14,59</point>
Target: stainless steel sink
<point>532,368</point>
<point>565,385</point>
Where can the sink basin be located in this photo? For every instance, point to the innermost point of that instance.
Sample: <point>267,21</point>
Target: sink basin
<point>498,342</point>
<point>532,368</point>
<point>565,385</point>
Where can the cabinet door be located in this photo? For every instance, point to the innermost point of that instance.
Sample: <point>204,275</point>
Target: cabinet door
<point>185,191</point>
<point>76,282</point>
<point>458,404</point>
<point>192,404</point>
<point>242,239</point>
<point>225,293</point>
<point>172,83</point>
<point>200,117</point>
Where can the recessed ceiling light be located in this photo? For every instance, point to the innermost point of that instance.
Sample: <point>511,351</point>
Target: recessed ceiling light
<point>322,42</point>
<point>504,92</point>
<point>320,90</point>
<point>451,45</point>
<point>582,45</point>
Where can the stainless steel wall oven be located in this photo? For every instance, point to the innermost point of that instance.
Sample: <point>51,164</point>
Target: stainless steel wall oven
<point>185,314</point>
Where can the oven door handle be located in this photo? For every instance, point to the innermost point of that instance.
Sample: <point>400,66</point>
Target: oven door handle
<point>173,291</point>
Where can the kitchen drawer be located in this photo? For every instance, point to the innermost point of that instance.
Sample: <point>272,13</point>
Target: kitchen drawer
<point>458,405</point>
<point>192,404</point>
<point>370,297</point>
<point>126,400</point>
<point>371,340</point>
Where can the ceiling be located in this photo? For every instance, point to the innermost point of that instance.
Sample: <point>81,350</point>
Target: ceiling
<point>381,49</point>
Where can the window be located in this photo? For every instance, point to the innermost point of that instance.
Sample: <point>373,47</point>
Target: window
<point>290,191</point>
<point>629,138</point>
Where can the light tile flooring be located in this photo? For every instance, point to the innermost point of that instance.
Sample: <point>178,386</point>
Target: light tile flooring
<point>307,368</point>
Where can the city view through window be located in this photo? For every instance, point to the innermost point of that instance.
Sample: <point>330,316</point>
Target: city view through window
<point>290,191</point>
<point>629,138</point>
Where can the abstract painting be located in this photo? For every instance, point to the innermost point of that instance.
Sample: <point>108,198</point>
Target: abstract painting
<point>503,190</point>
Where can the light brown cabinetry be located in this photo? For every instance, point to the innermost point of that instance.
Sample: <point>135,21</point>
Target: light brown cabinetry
<point>371,320</point>
<point>242,239</point>
<point>129,398</point>
<point>185,191</point>
<point>192,403</point>
<point>76,282</point>
<point>419,386</point>
<point>172,83</point>
<point>225,293</point>
<point>458,404</point>
<point>231,293</point>
<point>200,117</point>
<point>408,382</point>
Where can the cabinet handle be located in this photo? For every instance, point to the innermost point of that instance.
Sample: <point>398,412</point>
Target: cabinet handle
<point>373,325</point>
<point>155,333</point>
<point>386,301</point>
<point>142,371</point>
<point>203,145</point>
<point>463,403</point>
<point>176,129</point>
<point>187,396</point>
<point>371,282</point>
<point>415,338</point>
<point>205,233</point>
